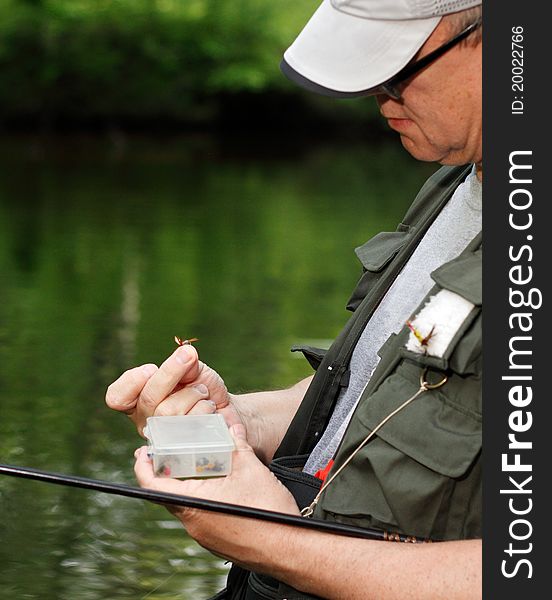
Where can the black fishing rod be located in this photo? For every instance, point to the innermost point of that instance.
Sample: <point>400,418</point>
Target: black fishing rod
<point>129,491</point>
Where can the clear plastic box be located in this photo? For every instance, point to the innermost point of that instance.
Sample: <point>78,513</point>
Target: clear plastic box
<point>190,445</point>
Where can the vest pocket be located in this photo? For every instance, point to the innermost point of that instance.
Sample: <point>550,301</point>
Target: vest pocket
<point>375,255</point>
<point>454,336</point>
<point>303,486</point>
<point>419,475</point>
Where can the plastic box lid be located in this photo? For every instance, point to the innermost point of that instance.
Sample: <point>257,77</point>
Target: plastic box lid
<point>188,433</point>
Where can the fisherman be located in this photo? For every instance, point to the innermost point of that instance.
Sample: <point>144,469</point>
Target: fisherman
<point>391,420</point>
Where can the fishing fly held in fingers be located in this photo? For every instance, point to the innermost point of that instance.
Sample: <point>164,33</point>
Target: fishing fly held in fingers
<point>180,342</point>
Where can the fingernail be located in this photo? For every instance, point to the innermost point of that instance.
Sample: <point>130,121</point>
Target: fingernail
<point>202,389</point>
<point>184,354</point>
<point>211,403</point>
<point>149,370</point>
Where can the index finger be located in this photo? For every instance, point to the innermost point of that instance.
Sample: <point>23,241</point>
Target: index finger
<point>122,394</point>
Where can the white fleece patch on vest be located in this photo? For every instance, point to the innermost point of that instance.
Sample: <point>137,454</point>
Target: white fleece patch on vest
<point>438,322</point>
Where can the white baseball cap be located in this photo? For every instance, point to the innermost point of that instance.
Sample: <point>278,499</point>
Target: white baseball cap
<point>350,46</point>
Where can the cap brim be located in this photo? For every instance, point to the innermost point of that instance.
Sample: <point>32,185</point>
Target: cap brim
<point>342,55</point>
<point>309,85</point>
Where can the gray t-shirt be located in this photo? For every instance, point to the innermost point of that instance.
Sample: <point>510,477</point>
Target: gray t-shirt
<point>454,228</point>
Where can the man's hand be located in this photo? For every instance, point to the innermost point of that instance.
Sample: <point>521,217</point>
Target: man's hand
<point>249,484</point>
<point>325,565</point>
<point>185,385</point>
<point>181,385</point>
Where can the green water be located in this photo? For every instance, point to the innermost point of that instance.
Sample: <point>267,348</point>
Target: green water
<point>109,250</point>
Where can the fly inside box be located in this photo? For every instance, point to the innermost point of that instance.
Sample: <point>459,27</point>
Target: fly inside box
<point>190,446</point>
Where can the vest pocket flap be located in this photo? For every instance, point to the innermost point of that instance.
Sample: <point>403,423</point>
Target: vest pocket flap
<point>462,276</point>
<point>376,254</point>
<point>432,430</point>
<point>380,250</point>
<point>313,355</point>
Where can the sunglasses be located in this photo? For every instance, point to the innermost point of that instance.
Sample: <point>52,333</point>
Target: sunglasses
<point>390,87</point>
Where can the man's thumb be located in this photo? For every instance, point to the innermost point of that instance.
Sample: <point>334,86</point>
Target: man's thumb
<point>239,434</point>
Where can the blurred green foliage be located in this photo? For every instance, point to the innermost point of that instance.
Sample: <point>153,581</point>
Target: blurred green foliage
<point>141,59</point>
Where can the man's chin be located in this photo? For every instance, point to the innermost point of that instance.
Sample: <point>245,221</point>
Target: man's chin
<point>419,153</point>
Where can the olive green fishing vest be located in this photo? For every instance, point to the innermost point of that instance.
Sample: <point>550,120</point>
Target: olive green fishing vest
<point>421,474</point>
